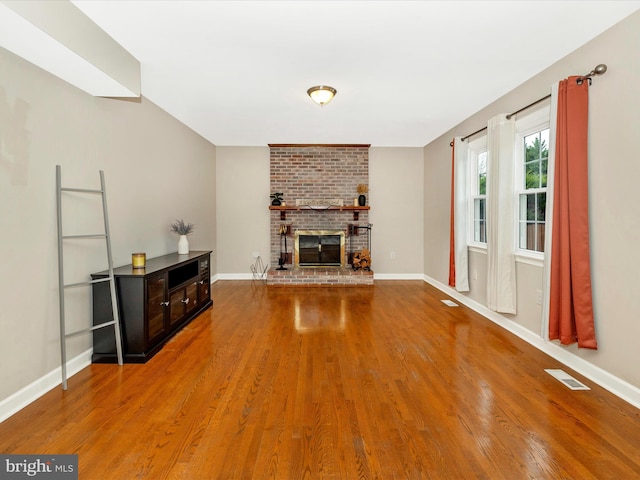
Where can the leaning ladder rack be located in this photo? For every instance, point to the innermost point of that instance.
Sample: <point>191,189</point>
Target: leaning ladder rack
<point>62,286</point>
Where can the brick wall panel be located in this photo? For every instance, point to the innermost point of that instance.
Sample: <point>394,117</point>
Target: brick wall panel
<point>317,172</point>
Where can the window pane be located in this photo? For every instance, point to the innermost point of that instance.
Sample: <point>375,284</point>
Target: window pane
<point>523,235</point>
<point>523,207</point>
<point>539,232</point>
<point>532,175</point>
<point>537,145</point>
<point>541,200</point>
<point>532,217</point>
<point>482,184</point>
<point>531,237</point>
<point>531,207</point>
<point>544,141</point>
<point>479,220</point>
<point>482,173</point>
<point>536,155</point>
<point>532,147</point>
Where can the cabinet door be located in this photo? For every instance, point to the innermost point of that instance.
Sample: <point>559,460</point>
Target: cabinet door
<point>176,305</point>
<point>205,281</point>
<point>203,290</point>
<point>156,305</point>
<point>191,296</point>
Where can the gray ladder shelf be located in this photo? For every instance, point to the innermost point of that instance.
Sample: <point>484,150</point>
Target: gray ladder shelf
<point>115,322</point>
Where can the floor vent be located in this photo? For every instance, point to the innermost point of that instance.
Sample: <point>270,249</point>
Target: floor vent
<point>567,379</point>
<point>449,303</point>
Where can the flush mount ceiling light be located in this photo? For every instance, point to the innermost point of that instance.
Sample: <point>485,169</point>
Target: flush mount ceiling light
<point>322,94</point>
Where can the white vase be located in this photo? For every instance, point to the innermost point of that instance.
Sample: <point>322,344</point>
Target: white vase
<point>183,245</point>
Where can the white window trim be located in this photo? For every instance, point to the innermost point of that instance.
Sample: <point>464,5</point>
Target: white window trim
<point>530,258</point>
<point>476,147</point>
<point>481,249</point>
<point>526,125</point>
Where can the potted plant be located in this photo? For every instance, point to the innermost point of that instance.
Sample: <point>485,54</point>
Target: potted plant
<point>276,198</point>
<point>183,229</point>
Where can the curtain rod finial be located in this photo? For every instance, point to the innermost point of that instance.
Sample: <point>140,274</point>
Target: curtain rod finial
<point>600,69</point>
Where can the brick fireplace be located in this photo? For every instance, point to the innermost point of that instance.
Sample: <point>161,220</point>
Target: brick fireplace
<point>314,180</point>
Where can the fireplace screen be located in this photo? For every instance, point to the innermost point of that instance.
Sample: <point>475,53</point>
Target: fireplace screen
<point>319,248</point>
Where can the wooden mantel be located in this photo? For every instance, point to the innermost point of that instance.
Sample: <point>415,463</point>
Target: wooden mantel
<point>326,145</point>
<point>284,208</point>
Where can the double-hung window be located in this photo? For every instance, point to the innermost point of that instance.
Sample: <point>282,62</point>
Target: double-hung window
<point>478,192</point>
<point>532,155</point>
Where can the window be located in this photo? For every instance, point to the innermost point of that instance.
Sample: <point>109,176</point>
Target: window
<point>478,192</point>
<point>532,149</point>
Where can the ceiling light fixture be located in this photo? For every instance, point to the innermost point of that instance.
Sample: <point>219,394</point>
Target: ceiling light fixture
<point>322,94</point>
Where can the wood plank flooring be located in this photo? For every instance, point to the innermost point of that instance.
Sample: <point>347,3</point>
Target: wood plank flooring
<point>381,382</point>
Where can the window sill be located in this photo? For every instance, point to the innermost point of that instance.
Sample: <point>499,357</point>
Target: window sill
<point>521,257</point>
<point>477,249</point>
<point>530,259</point>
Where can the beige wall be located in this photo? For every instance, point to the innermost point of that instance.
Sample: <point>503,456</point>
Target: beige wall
<point>395,181</point>
<point>614,208</point>
<point>242,191</point>
<point>396,198</point>
<point>156,170</point>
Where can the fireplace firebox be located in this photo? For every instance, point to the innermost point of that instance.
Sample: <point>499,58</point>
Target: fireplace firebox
<point>319,248</point>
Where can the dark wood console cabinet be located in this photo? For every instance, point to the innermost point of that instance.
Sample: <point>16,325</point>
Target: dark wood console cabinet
<point>154,302</point>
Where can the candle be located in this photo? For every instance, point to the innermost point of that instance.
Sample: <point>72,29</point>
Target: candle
<point>138,260</point>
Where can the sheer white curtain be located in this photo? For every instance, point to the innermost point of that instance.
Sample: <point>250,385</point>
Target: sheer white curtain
<point>501,220</point>
<point>551,168</point>
<point>461,212</point>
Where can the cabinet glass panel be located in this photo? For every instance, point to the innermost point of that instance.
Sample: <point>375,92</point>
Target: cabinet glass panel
<point>176,305</point>
<point>155,307</point>
<point>204,282</point>
<point>204,266</point>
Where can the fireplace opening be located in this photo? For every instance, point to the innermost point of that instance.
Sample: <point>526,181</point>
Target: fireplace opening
<point>319,248</point>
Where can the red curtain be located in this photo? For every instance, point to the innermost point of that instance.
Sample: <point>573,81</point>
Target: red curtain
<point>570,302</point>
<point>452,243</point>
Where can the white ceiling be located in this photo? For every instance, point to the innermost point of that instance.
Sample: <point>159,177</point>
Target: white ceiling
<point>237,72</point>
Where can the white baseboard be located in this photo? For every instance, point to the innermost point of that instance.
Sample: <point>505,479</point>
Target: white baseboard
<point>36,389</point>
<point>397,276</point>
<point>619,387</point>
<point>234,276</point>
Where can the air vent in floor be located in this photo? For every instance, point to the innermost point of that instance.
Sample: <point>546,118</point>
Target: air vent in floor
<point>449,303</point>
<point>567,379</point>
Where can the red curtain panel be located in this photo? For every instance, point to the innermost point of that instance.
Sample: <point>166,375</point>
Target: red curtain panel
<point>570,303</point>
<point>452,243</point>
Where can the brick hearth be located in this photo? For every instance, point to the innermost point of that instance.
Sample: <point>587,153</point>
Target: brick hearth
<point>320,277</point>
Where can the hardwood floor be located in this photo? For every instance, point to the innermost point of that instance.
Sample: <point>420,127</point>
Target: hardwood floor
<point>292,383</point>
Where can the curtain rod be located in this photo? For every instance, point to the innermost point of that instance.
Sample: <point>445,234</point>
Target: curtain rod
<point>598,70</point>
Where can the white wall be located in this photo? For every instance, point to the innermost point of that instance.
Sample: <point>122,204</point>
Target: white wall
<point>614,207</point>
<point>156,170</point>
